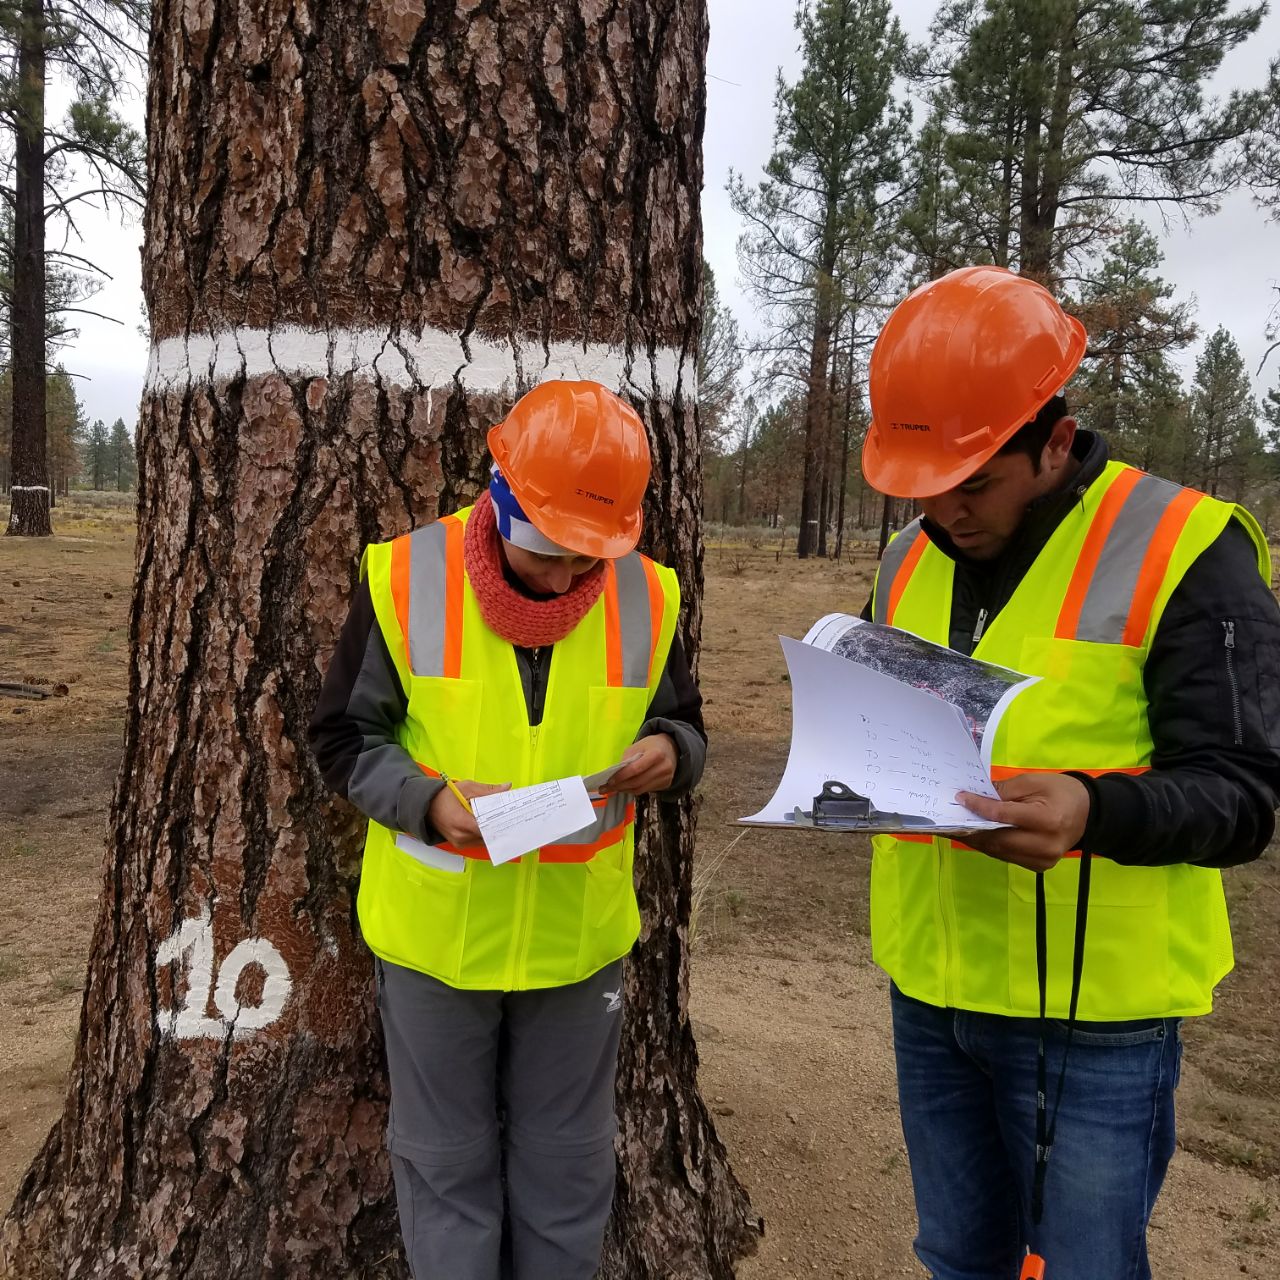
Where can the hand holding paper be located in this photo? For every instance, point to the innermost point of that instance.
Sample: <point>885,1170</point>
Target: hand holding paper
<point>1046,815</point>
<point>451,820</point>
<point>898,721</point>
<point>648,765</point>
<point>515,822</point>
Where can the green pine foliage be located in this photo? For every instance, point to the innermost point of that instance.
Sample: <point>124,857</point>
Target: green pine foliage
<point>1049,113</point>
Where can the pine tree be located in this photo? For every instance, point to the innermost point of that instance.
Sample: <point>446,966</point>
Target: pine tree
<point>493,194</point>
<point>1058,108</point>
<point>1271,414</point>
<point>97,455</point>
<point>719,360</point>
<point>1224,416</point>
<point>124,468</point>
<point>91,155</point>
<point>838,150</point>
<point>65,423</point>
<point>1130,389</point>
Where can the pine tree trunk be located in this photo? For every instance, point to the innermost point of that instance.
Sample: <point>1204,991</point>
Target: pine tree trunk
<point>29,495</point>
<point>391,217</point>
<point>815,417</point>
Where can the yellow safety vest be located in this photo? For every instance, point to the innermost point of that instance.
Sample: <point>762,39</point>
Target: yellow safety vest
<point>558,914</point>
<point>955,928</point>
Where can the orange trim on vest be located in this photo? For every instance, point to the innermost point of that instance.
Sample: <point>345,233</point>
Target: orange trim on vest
<point>557,852</point>
<point>903,576</point>
<point>657,608</point>
<point>585,852</point>
<point>612,628</point>
<point>999,772</point>
<point>451,667</point>
<point>1159,552</point>
<point>1109,508</point>
<point>400,557</point>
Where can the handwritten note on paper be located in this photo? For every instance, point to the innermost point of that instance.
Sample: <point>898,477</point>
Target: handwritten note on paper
<point>907,749</point>
<point>514,822</point>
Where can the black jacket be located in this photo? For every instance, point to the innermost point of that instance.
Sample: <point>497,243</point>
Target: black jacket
<point>1212,681</point>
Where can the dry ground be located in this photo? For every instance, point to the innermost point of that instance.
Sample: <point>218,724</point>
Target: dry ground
<point>791,1015</point>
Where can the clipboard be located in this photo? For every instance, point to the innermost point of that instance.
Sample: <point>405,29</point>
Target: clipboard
<point>838,807</point>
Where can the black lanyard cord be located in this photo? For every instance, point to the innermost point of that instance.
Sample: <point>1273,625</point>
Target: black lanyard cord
<point>1046,1124</point>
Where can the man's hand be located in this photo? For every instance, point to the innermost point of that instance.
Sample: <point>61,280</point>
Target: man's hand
<point>650,765</point>
<point>1046,813</point>
<point>452,821</point>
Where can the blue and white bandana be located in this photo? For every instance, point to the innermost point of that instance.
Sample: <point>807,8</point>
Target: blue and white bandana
<point>514,525</point>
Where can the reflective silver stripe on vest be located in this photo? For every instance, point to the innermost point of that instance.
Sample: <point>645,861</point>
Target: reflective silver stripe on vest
<point>613,813</point>
<point>427,617</point>
<point>634,620</point>
<point>428,575</point>
<point>1109,597</point>
<point>895,555</point>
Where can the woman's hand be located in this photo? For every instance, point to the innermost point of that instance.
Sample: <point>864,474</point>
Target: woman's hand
<point>648,765</point>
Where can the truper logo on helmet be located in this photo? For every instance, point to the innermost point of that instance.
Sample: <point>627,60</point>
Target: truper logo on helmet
<point>911,426</point>
<point>595,497</point>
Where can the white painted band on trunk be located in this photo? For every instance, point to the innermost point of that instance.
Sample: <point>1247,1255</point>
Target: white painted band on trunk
<point>28,488</point>
<point>432,358</point>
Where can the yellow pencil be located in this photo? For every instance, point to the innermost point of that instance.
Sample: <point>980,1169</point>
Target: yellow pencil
<point>453,786</point>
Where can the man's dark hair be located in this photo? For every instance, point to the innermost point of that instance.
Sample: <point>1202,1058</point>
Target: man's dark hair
<point>1032,438</point>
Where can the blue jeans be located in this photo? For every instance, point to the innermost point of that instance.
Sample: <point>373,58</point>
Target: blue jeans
<point>967,1091</point>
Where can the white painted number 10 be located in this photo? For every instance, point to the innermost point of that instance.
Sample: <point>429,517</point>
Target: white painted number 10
<point>191,944</point>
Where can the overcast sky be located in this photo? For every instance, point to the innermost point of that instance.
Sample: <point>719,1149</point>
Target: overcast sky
<point>1228,262</point>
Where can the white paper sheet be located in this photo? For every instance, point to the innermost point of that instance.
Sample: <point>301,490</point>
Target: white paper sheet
<point>906,748</point>
<point>429,855</point>
<point>515,822</point>
<point>594,781</point>
<point>981,690</point>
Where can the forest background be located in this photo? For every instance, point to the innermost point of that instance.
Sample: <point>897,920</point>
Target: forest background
<point>1148,202</point>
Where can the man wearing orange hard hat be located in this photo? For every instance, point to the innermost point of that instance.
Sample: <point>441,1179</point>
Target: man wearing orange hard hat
<point>1040,971</point>
<point>518,641</point>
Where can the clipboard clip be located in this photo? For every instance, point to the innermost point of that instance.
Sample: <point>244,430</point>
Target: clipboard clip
<point>838,805</point>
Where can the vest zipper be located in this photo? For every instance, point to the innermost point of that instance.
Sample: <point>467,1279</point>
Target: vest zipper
<point>1229,645</point>
<point>979,627</point>
<point>524,903</point>
<point>946,906</point>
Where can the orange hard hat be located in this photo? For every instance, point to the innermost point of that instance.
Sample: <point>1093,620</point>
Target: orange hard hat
<point>576,457</point>
<point>961,364</point>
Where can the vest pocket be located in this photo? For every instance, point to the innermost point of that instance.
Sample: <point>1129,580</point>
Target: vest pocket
<point>410,914</point>
<point>443,724</point>
<point>610,916</point>
<point>1087,711</point>
<point>616,713</point>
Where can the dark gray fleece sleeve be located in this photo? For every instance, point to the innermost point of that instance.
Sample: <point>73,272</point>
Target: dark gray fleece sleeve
<point>354,727</point>
<point>676,709</point>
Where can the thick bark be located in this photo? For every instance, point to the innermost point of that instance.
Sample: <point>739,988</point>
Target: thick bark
<point>29,498</point>
<point>393,213</point>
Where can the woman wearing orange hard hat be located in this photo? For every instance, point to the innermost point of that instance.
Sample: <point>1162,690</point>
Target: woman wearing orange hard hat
<point>1037,996</point>
<point>518,641</point>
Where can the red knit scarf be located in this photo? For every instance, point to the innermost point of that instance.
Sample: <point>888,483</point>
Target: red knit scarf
<point>515,617</point>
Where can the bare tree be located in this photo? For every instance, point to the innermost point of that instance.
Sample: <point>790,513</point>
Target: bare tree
<point>369,227</point>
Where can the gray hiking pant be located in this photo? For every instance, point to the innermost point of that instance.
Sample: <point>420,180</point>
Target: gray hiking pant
<point>547,1059</point>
